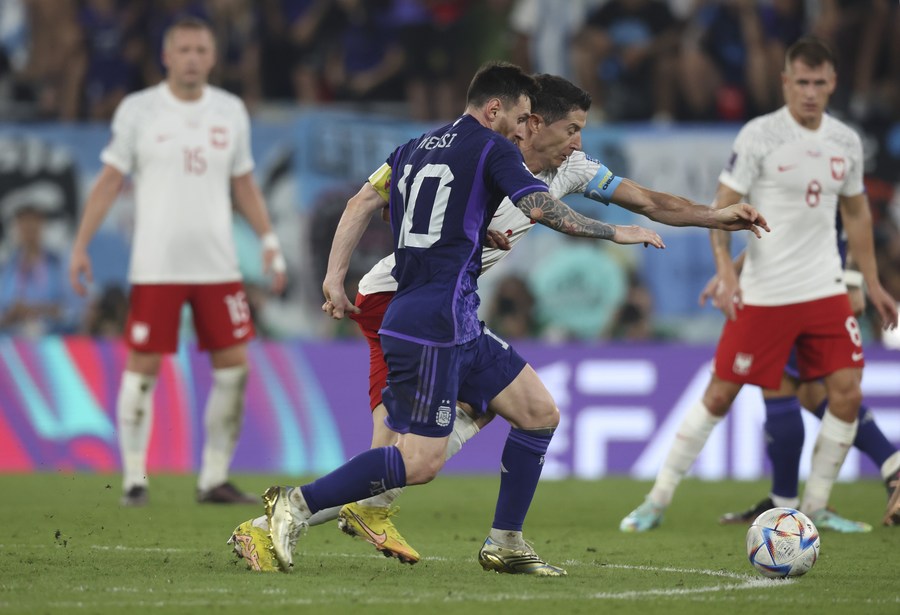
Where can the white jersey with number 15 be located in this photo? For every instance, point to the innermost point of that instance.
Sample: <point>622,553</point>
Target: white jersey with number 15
<point>181,156</point>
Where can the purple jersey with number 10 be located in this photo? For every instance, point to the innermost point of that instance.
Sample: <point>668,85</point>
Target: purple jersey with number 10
<point>447,185</point>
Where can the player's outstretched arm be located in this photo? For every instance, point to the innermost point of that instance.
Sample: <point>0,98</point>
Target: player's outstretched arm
<point>100,199</point>
<point>350,229</point>
<point>252,205</point>
<point>675,210</point>
<point>543,208</point>
<point>857,219</point>
<point>728,296</point>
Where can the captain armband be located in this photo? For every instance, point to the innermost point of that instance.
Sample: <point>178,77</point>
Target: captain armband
<point>602,185</point>
<point>381,181</point>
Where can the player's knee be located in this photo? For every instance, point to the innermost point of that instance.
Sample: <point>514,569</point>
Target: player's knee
<point>423,469</point>
<point>718,398</point>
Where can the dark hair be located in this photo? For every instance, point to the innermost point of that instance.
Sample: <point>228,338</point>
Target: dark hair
<point>502,80</point>
<point>811,51</point>
<point>187,22</point>
<point>557,97</point>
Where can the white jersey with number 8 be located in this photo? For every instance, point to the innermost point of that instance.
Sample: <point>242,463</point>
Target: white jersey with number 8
<point>794,177</point>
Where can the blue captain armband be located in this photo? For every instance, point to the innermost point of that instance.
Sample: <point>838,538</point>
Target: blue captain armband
<point>602,185</point>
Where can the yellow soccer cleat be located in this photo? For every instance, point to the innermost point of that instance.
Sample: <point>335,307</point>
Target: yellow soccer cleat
<point>253,545</point>
<point>373,524</point>
<point>515,561</point>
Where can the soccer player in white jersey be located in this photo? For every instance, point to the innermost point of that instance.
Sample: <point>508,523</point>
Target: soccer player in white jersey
<point>186,145</point>
<point>552,150</point>
<point>798,165</point>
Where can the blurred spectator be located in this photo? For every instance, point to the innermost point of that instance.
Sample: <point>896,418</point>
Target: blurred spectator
<point>487,35</point>
<point>732,57</point>
<point>634,319</point>
<point>578,289</point>
<point>236,28</point>
<point>863,35</point>
<point>511,311</point>
<point>33,280</point>
<point>106,315</point>
<point>109,65</point>
<point>433,48</point>
<point>544,30</point>
<point>53,46</point>
<point>296,36</point>
<point>625,57</point>
<point>367,65</point>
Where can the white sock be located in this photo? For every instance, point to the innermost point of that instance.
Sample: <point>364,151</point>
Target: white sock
<point>299,507</point>
<point>783,502</point>
<point>834,440</point>
<point>324,516</point>
<point>382,500</point>
<point>507,538</point>
<point>464,428</point>
<point>134,417</point>
<point>692,434</point>
<point>262,522</point>
<point>222,420</point>
<point>890,465</point>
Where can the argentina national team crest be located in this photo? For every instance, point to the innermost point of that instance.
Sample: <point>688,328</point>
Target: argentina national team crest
<point>443,416</point>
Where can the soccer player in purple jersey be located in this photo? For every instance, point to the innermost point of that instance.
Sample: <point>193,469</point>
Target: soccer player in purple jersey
<point>551,149</point>
<point>448,184</point>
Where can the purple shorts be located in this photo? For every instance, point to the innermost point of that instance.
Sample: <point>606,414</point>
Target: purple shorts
<point>424,382</point>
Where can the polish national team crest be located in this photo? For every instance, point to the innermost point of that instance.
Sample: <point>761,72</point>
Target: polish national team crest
<point>140,332</point>
<point>218,137</point>
<point>742,363</point>
<point>838,167</point>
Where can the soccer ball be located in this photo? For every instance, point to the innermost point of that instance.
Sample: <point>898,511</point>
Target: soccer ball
<point>782,542</point>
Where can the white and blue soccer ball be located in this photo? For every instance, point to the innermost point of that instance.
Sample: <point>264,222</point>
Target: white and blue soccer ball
<point>782,542</point>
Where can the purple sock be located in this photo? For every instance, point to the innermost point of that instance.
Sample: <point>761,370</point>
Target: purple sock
<point>870,440</point>
<point>784,444</point>
<point>369,473</point>
<point>520,470</point>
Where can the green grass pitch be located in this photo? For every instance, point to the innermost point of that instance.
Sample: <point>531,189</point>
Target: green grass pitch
<point>67,547</point>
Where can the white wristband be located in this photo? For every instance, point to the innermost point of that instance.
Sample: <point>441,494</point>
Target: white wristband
<point>270,241</point>
<point>853,278</point>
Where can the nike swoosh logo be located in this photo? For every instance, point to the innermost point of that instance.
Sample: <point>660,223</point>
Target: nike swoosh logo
<point>241,332</point>
<point>857,356</point>
<point>161,138</point>
<point>786,167</point>
<point>377,539</point>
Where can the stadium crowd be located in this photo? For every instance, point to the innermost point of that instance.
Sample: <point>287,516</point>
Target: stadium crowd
<point>660,61</point>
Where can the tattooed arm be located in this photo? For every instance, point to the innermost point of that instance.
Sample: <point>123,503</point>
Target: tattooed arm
<point>542,207</point>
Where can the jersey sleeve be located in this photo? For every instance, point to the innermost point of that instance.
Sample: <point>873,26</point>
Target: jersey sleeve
<point>119,153</point>
<point>381,181</point>
<point>853,184</point>
<point>507,172</point>
<point>243,157</point>
<point>744,165</point>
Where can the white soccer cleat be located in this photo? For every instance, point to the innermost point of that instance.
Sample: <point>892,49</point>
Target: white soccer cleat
<point>285,528</point>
